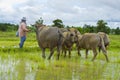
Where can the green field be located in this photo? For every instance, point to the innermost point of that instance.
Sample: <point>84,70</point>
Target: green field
<point>27,63</point>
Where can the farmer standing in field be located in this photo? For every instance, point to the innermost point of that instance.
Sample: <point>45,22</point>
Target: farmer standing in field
<point>22,31</point>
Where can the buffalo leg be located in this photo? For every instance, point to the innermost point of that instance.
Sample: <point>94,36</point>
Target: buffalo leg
<point>69,53</point>
<point>65,52</point>
<point>51,53</point>
<point>105,53</point>
<point>58,51</point>
<point>106,57</point>
<point>62,52</point>
<point>43,52</point>
<point>99,49</point>
<point>95,54</point>
<point>86,53</point>
<point>79,52</point>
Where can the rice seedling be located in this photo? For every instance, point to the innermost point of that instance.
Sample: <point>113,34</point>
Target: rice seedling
<point>27,63</point>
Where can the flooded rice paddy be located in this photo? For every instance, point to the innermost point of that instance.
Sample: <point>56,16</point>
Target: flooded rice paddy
<point>30,66</point>
<point>27,63</point>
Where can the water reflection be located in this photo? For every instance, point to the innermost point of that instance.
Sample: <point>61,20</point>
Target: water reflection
<point>7,68</point>
<point>21,68</point>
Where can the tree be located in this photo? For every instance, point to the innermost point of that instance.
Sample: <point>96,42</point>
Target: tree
<point>80,29</point>
<point>8,27</point>
<point>89,28</point>
<point>117,31</point>
<point>3,26</point>
<point>101,27</point>
<point>58,23</point>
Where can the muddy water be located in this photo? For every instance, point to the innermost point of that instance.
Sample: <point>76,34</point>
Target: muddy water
<point>20,68</point>
<point>12,69</point>
<point>7,69</point>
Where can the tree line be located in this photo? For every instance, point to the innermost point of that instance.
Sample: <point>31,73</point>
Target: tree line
<point>101,26</point>
<point>8,27</point>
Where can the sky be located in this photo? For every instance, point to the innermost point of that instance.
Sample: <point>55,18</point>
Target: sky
<point>71,12</point>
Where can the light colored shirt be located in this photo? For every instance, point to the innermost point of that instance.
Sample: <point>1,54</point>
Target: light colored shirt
<point>22,29</point>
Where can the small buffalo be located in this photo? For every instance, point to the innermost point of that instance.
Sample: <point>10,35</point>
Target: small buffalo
<point>69,39</point>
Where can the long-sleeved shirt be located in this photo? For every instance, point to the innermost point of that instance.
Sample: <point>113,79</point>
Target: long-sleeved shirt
<point>22,29</point>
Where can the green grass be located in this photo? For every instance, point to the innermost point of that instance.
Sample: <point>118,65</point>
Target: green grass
<point>28,64</point>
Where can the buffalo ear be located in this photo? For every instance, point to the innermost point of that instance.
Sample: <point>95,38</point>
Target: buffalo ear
<point>68,29</point>
<point>75,31</point>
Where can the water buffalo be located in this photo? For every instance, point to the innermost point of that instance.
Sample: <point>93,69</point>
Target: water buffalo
<point>74,30</point>
<point>69,39</point>
<point>91,41</point>
<point>105,39</point>
<point>49,37</point>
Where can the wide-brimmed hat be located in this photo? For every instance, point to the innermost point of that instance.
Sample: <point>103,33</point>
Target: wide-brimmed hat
<point>23,19</point>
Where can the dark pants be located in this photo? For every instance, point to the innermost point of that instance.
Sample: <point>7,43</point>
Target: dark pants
<point>22,40</point>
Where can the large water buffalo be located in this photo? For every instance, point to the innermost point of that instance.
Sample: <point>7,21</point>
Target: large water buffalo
<point>91,41</point>
<point>105,39</point>
<point>49,37</point>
